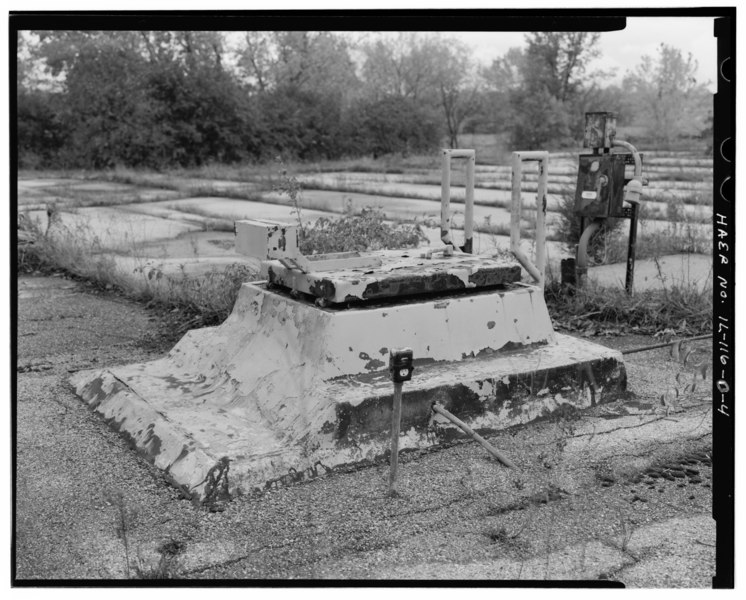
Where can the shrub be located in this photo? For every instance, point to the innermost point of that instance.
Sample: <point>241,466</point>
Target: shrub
<point>366,231</point>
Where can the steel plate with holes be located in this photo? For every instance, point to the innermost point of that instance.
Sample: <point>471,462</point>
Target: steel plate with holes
<point>393,273</point>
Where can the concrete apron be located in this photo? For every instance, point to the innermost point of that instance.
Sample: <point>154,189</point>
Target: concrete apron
<point>284,391</point>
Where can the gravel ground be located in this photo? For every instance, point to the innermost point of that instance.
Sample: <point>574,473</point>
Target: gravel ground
<point>620,492</point>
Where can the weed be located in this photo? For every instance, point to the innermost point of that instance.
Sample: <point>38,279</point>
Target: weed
<point>200,301</point>
<point>195,301</point>
<point>497,534</point>
<point>365,231</point>
<point>70,247</point>
<point>675,238</point>
<point>123,525</point>
<point>684,309</point>
<point>568,230</point>
<point>290,186</point>
<point>689,375</point>
<point>168,566</point>
<point>626,531</point>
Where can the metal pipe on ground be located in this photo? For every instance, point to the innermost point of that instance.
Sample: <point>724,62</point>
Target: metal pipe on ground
<point>475,436</point>
<point>666,344</point>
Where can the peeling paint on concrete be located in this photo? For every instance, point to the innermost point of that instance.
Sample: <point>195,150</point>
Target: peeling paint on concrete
<point>261,390</point>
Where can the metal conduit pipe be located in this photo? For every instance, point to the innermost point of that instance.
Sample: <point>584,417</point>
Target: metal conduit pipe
<point>635,155</point>
<point>582,267</point>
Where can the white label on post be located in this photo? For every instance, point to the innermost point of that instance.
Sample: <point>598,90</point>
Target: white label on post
<point>589,195</point>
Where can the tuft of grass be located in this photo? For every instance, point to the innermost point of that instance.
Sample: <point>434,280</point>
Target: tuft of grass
<point>198,301</point>
<point>683,309</point>
<point>168,566</point>
<point>73,249</point>
<point>123,525</point>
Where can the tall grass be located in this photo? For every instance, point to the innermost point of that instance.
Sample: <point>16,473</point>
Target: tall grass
<point>682,308</point>
<point>76,250</point>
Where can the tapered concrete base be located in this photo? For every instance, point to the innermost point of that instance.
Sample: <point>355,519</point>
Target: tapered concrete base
<point>284,390</point>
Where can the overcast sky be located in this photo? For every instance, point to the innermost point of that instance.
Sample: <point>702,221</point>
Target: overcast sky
<point>622,50</point>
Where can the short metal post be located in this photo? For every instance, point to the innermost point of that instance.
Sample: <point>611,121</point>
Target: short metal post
<point>631,249</point>
<point>401,367</point>
<point>395,429</point>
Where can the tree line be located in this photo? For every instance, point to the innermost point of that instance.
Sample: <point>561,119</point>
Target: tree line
<point>157,99</point>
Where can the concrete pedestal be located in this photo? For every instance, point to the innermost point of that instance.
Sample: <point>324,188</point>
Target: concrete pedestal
<point>284,390</point>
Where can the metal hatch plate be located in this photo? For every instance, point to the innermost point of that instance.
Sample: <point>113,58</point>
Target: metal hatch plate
<point>401,273</point>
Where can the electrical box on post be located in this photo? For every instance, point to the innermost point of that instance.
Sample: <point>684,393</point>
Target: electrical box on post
<point>600,190</point>
<point>601,181</point>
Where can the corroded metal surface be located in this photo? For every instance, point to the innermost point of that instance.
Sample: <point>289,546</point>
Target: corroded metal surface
<point>401,273</point>
<point>284,387</point>
<point>263,238</point>
<point>600,129</point>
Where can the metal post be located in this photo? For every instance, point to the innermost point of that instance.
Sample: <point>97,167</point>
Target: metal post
<point>445,198</point>
<point>401,365</point>
<point>631,248</point>
<point>469,207</point>
<point>395,429</point>
<point>515,202</point>
<point>541,213</point>
<point>535,270</point>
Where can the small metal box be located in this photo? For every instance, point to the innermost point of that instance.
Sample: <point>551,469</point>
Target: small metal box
<point>266,239</point>
<point>600,130</point>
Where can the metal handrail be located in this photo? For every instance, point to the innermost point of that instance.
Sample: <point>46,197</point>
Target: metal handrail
<point>537,270</point>
<point>445,197</point>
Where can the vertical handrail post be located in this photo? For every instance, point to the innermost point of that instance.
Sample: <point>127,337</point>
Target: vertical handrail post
<point>445,197</point>
<point>516,204</point>
<point>541,214</point>
<point>537,270</point>
<point>469,208</point>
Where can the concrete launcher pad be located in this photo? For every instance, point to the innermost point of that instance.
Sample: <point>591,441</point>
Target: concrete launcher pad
<point>285,390</point>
